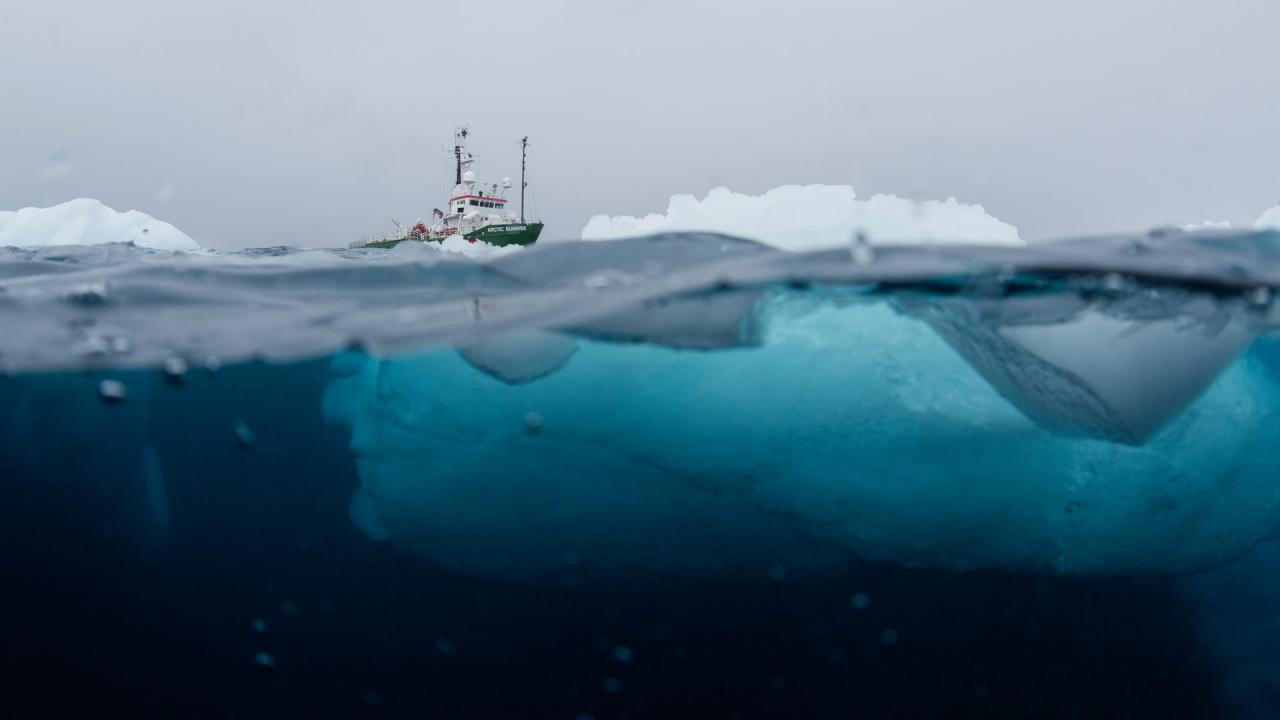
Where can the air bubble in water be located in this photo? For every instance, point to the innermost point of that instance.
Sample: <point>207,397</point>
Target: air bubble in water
<point>1114,282</point>
<point>264,660</point>
<point>87,295</point>
<point>94,346</point>
<point>90,295</point>
<point>98,345</point>
<point>623,654</point>
<point>259,625</point>
<point>175,370</point>
<point>607,279</point>
<point>289,608</point>
<point>112,392</point>
<point>860,601</point>
<point>244,435</point>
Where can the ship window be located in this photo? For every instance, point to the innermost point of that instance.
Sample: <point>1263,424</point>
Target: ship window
<point>474,202</point>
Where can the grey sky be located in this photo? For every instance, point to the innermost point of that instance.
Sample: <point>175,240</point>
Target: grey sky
<point>311,123</point>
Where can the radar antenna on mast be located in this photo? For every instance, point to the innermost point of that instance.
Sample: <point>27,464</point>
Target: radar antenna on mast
<point>459,142</point>
<point>524,146</point>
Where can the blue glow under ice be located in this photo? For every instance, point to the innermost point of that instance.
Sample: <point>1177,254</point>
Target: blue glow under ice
<point>852,428</point>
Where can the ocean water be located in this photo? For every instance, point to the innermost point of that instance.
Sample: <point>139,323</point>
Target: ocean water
<point>681,475</point>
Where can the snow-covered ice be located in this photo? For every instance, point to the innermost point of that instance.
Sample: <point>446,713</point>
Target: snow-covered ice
<point>810,217</point>
<point>88,222</point>
<point>1270,220</point>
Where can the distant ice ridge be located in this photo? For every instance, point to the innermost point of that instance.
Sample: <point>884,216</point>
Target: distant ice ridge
<point>811,217</point>
<point>88,222</point>
<point>1206,225</point>
<point>1269,220</point>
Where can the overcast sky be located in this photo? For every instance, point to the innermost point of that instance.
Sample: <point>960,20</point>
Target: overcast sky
<point>312,123</point>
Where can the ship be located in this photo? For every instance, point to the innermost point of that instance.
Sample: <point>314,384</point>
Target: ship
<point>475,211</point>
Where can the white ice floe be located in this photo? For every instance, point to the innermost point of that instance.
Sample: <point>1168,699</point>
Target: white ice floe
<point>88,222</point>
<point>1207,225</point>
<point>1270,220</point>
<point>808,217</point>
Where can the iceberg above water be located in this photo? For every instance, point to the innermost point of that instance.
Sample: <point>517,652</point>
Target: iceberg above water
<point>88,222</point>
<point>813,217</point>
<point>1269,220</point>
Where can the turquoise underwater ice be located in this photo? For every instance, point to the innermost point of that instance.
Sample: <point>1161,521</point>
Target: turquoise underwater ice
<point>848,428</point>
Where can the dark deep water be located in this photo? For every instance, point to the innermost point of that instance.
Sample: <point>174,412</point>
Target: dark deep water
<point>93,616</point>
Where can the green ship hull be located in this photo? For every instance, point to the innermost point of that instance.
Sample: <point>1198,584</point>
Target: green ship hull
<point>499,234</point>
<point>508,234</point>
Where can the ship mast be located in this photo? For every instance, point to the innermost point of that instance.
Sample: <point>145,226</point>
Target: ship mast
<point>459,139</point>
<point>524,145</point>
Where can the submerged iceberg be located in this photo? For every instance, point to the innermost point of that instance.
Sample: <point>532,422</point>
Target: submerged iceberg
<point>88,222</point>
<point>846,427</point>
